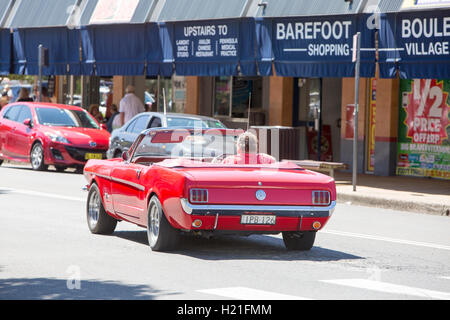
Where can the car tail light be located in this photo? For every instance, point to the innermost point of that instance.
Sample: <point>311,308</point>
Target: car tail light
<point>198,196</point>
<point>321,197</point>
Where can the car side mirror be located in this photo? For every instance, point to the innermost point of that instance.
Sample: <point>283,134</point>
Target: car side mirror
<point>28,123</point>
<point>103,126</point>
<point>125,156</point>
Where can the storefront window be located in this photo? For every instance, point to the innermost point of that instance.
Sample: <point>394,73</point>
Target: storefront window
<point>241,96</point>
<point>233,94</point>
<point>172,90</point>
<point>222,96</point>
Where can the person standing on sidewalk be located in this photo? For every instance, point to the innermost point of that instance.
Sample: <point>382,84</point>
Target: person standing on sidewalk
<point>130,105</point>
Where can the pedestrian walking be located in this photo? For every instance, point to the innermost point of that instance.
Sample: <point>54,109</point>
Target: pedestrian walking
<point>130,105</point>
<point>114,120</point>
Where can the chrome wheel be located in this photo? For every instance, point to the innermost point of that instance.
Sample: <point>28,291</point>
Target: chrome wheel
<point>161,235</point>
<point>37,157</point>
<point>153,228</point>
<point>98,220</point>
<point>93,210</point>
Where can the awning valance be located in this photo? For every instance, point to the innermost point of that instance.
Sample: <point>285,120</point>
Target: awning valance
<point>316,46</point>
<point>63,50</point>
<point>124,49</point>
<point>417,45</point>
<point>213,48</point>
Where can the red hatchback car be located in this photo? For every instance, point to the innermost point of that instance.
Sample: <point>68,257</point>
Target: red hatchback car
<point>50,134</point>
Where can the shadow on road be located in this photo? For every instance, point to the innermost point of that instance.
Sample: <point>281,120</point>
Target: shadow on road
<point>51,169</point>
<point>258,247</point>
<point>57,289</point>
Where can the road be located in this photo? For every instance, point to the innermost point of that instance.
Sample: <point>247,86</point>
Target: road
<point>47,252</point>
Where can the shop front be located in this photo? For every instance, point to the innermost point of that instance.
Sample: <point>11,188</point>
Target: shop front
<point>415,44</point>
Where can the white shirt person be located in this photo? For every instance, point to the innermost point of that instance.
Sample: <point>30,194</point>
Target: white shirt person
<point>130,105</point>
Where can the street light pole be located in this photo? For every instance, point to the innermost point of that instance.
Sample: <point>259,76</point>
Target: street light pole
<point>357,59</point>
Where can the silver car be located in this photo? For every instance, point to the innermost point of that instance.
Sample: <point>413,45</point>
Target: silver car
<point>122,138</point>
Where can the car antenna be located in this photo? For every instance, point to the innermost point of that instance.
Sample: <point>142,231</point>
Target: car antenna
<point>164,97</point>
<point>249,104</point>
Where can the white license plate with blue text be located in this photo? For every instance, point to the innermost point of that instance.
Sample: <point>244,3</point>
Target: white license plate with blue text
<point>258,219</point>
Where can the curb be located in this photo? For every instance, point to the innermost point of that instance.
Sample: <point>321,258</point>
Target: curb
<point>412,206</point>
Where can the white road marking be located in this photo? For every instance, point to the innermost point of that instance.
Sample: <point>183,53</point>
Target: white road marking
<point>243,293</point>
<point>390,288</point>
<point>386,239</point>
<point>42,194</point>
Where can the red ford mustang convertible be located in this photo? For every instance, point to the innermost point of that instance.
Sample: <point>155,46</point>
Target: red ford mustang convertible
<point>175,181</point>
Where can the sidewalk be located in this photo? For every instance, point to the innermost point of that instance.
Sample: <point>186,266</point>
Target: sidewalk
<point>422,195</point>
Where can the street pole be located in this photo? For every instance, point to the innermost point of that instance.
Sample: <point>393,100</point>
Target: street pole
<point>357,60</point>
<point>41,64</point>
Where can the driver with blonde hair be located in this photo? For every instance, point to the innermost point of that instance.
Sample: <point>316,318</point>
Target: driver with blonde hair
<point>247,145</point>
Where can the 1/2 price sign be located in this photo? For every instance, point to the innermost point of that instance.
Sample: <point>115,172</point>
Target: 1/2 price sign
<point>424,128</point>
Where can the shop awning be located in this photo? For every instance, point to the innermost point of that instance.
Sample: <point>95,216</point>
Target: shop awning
<point>118,39</point>
<point>213,48</point>
<point>209,37</point>
<point>44,22</point>
<point>313,38</point>
<point>130,49</point>
<point>417,46</point>
<point>63,50</point>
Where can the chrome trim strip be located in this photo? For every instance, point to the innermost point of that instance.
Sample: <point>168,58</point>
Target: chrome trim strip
<point>98,175</point>
<point>259,208</point>
<point>131,184</point>
<point>128,183</point>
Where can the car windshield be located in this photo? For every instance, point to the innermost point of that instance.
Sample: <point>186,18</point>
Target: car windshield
<point>192,122</point>
<point>187,144</point>
<point>65,118</point>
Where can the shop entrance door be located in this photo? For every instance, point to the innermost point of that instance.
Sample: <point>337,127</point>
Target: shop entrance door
<point>307,109</point>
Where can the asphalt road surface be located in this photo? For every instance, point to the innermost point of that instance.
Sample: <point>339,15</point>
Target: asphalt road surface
<point>47,252</point>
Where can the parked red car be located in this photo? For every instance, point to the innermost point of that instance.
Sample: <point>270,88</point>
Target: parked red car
<point>50,134</point>
<point>170,182</point>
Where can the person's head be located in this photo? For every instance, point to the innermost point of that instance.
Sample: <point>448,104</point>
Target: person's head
<point>44,92</point>
<point>93,109</point>
<point>23,93</point>
<point>247,142</point>
<point>129,89</point>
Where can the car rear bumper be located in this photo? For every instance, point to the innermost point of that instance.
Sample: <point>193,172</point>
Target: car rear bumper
<point>228,217</point>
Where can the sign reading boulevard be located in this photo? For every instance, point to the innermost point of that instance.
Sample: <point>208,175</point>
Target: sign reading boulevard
<point>419,44</point>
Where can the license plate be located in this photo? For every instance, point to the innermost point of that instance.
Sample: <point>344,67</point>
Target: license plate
<point>97,156</point>
<point>258,219</point>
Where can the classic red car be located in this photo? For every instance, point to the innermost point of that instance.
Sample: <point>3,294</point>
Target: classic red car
<point>50,134</point>
<point>173,182</point>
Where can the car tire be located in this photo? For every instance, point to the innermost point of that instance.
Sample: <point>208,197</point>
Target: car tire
<point>37,157</point>
<point>161,235</point>
<point>99,222</point>
<point>300,241</point>
<point>1,161</point>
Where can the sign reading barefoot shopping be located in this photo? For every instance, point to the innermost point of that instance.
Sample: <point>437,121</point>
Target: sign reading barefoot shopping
<point>320,46</point>
<point>424,128</point>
